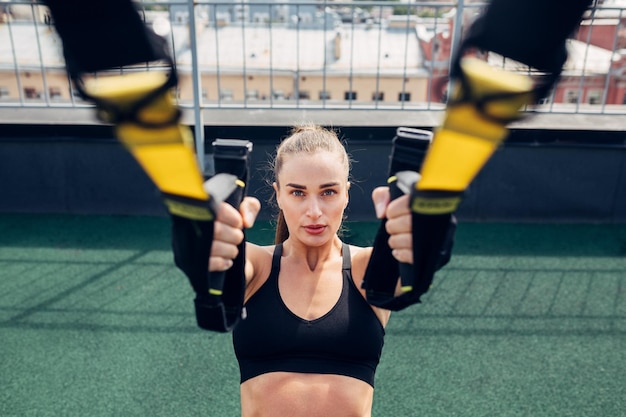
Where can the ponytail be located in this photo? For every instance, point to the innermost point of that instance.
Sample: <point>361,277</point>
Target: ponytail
<point>282,232</point>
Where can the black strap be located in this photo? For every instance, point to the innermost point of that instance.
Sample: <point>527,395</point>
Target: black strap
<point>219,303</point>
<point>381,276</point>
<point>104,34</point>
<point>533,32</point>
<point>100,35</point>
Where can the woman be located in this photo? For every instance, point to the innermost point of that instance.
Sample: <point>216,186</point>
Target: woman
<point>310,343</point>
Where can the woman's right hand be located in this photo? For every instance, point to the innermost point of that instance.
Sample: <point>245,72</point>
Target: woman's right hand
<point>228,231</point>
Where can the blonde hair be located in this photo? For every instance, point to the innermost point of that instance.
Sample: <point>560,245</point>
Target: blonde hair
<point>306,138</point>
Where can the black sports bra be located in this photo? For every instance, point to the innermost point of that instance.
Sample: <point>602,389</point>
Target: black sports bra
<point>348,340</point>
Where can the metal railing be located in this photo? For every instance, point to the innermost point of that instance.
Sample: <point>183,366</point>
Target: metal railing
<point>373,55</point>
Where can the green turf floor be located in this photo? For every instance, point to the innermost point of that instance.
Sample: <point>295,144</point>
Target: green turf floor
<point>526,320</point>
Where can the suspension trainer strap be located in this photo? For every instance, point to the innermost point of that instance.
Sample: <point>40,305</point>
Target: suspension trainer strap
<point>483,100</point>
<point>504,26</point>
<point>381,276</point>
<point>115,61</point>
<point>109,37</point>
<point>219,306</point>
<point>107,47</point>
<point>192,238</point>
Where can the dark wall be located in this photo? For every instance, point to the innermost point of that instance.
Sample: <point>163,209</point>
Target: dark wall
<point>538,175</point>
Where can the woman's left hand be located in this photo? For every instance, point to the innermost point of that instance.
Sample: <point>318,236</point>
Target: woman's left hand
<point>398,224</point>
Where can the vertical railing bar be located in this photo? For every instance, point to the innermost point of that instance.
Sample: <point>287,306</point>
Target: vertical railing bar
<point>296,76</point>
<point>380,37</point>
<point>243,50</point>
<point>147,65</point>
<point>406,52</point>
<point>584,69</point>
<point>608,76</point>
<point>351,58</point>
<point>271,51</point>
<point>18,76</point>
<point>44,78</point>
<point>218,75</point>
<point>456,41</point>
<point>197,87</point>
<point>429,84</point>
<point>552,98</point>
<point>325,61</point>
<point>172,40</point>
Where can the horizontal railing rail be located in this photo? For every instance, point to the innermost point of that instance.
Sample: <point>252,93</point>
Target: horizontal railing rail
<point>311,55</point>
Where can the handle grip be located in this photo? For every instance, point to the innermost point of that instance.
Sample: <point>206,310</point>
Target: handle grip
<point>399,185</point>
<point>216,278</point>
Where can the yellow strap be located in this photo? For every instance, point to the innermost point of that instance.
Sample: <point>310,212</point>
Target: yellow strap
<point>467,139</point>
<point>166,153</point>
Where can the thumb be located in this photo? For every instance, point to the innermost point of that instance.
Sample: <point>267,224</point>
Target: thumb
<point>380,197</point>
<point>249,209</point>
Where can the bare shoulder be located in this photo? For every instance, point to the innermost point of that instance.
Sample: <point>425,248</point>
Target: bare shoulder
<point>258,266</point>
<point>360,258</point>
<point>254,250</point>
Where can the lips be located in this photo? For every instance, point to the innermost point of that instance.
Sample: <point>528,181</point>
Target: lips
<point>315,229</point>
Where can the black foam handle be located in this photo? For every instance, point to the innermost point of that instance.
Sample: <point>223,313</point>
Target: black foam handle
<point>216,279</point>
<point>402,185</point>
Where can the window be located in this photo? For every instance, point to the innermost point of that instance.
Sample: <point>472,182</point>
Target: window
<point>55,93</point>
<point>278,94</point>
<point>31,93</point>
<point>304,95</point>
<point>324,95</point>
<point>378,96</point>
<point>226,94</point>
<point>349,95</point>
<point>594,97</point>
<point>4,92</point>
<point>571,96</point>
<point>252,94</point>
<point>404,97</point>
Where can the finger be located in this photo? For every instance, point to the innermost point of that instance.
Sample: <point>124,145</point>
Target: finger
<point>217,263</point>
<point>227,234</point>
<point>380,197</point>
<point>403,255</point>
<point>400,224</point>
<point>401,241</point>
<point>398,207</point>
<point>249,209</point>
<point>224,249</point>
<point>229,215</point>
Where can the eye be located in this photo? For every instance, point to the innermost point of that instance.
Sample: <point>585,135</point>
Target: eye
<point>297,193</point>
<point>329,192</point>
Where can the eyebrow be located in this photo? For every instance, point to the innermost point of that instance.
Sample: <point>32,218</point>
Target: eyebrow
<point>303,187</point>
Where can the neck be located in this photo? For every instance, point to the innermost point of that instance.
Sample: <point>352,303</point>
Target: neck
<point>315,257</point>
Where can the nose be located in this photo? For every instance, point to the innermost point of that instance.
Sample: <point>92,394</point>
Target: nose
<point>314,210</point>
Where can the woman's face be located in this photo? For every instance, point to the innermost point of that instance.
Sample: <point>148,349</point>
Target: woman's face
<point>313,194</point>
